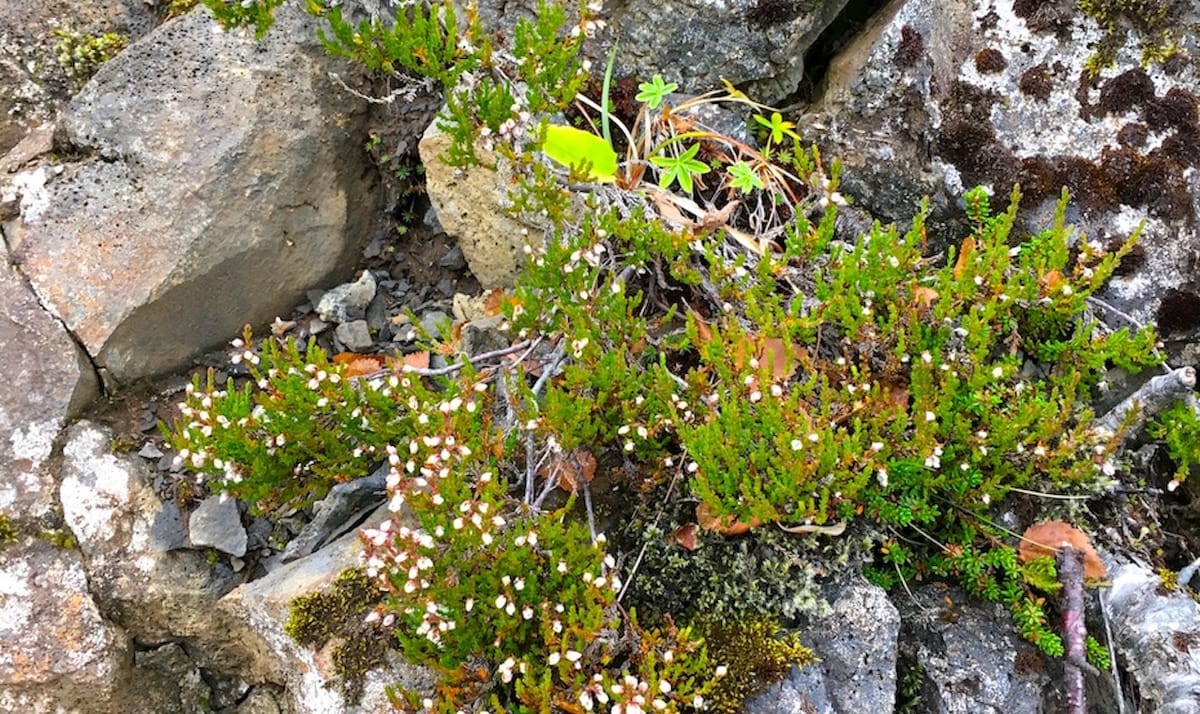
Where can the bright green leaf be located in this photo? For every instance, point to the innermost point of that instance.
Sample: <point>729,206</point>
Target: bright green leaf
<point>575,147</point>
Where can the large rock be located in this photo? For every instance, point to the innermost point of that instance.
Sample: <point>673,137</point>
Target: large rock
<point>217,179</point>
<point>939,96</point>
<point>856,645</point>
<point>471,205</point>
<point>1158,635</point>
<point>32,84</point>
<point>968,656</point>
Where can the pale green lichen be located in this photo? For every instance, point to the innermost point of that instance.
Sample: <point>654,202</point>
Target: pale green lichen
<point>1151,21</point>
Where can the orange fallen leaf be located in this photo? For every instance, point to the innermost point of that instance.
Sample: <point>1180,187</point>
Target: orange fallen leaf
<point>964,257</point>
<point>1047,537</point>
<point>493,302</point>
<point>357,365</point>
<point>924,297</point>
<point>776,353</point>
<point>725,525</point>
<point>1051,280</point>
<point>414,360</point>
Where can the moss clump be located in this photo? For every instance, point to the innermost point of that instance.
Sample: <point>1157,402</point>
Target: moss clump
<point>1151,21</point>
<point>179,7</point>
<point>8,531</point>
<point>338,613</point>
<point>81,54</point>
<point>59,538</point>
<point>767,571</point>
<point>755,653</point>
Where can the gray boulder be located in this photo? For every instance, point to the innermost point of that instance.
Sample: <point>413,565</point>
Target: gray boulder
<point>59,653</point>
<point>217,179</point>
<point>856,644</point>
<point>968,656</point>
<point>48,380</point>
<point>755,43</point>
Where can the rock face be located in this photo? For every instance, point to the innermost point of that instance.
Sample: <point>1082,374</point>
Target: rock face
<point>969,658</point>
<point>219,178</point>
<point>1157,632</point>
<point>470,206</point>
<point>59,653</point>
<point>938,97</point>
<point>856,645</point>
<point>48,380</point>
<point>752,43</point>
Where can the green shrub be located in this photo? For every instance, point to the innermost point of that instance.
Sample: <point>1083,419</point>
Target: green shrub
<point>720,358</point>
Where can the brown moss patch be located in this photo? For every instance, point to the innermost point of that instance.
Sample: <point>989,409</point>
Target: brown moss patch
<point>1133,135</point>
<point>1175,109</point>
<point>1035,82</point>
<point>1179,312</point>
<point>1126,91</point>
<point>910,49</point>
<point>990,61</point>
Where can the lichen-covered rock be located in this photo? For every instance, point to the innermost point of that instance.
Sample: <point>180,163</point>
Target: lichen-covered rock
<point>59,653</point>
<point>1158,635</point>
<point>752,43</point>
<point>218,179</point>
<point>263,607</point>
<point>470,206</point>
<point>855,643</point>
<point>47,380</point>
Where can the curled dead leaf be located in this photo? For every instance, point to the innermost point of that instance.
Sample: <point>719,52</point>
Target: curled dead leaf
<point>1047,537</point>
<point>725,525</point>
<point>572,469</point>
<point>357,365</point>
<point>924,297</point>
<point>685,537</point>
<point>964,257</point>
<point>835,530</point>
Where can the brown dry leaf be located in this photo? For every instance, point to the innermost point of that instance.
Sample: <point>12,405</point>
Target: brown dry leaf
<point>779,356</point>
<point>685,536</point>
<point>964,257</point>
<point>924,297</point>
<point>573,469</point>
<point>726,525</point>
<point>835,530</point>
<point>1046,537</point>
<point>416,360</point>
<point>896,395</point>
<point>713,220</point>
<point>493,302</point>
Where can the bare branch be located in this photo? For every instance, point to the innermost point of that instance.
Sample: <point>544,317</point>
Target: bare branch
<point>1150,399</point>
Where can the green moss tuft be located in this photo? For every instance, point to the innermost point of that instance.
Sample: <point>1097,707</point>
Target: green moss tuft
<point>9,533</point>
<point>756,653</point>
<point>81,55</point>
<point>1151,21</point>
<point>337,613</point>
